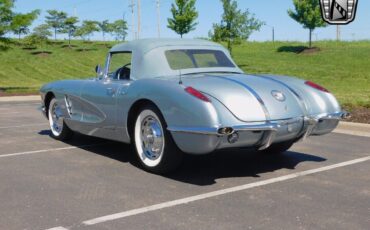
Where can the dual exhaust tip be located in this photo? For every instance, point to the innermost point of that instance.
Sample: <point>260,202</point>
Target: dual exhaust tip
<point>232,136</point>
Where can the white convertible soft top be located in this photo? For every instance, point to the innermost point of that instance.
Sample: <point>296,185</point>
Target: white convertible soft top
<point>149,60</point>
<point>145,45</point>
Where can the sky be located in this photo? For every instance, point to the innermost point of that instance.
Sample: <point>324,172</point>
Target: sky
<point>272,12</point>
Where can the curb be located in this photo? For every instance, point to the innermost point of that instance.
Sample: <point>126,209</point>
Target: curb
<point>351,128</point>
<point>20,98</point>
<point>354,124</point>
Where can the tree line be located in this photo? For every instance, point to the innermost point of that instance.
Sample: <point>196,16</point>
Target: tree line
<point>58,22</point>
<point>235,25</point>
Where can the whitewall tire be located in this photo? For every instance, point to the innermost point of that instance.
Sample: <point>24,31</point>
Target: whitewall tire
<point>59,130</point>
<point>154,145</point>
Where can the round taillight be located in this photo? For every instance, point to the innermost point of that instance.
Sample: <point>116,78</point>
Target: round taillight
<point>316,86</point>
<point>197,94</point>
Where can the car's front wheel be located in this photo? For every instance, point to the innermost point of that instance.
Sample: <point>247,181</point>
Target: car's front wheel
<point>155,148</point>
<point>59,130</point>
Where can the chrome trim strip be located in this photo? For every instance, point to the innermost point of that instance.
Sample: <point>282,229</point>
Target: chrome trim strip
<point>214,131</point>
<point>267,126</point>
<point>252,91</point>
<point>267,139</point>
<point>263,127</point>
<point>333,116</point>
<point>290,89</point>
<point>194,130</point>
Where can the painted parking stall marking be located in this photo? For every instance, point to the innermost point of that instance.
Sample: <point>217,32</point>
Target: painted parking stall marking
<point>58,228</point>
<point>48,150</point>
<point>21,126</point>
<point>190,199</point>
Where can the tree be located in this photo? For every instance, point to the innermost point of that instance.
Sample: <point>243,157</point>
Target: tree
<point>42,31</point>
<point>307,13</point>
<point>56,20</point>
<point>39,36</point>
<point>70,28</point>
<point>118,29</point>
<point>183,18</point>
<point>86,29</point>
<point>6,15</point>
<point>105,27</point>
<point>235,25</point>
<point>21,22</point>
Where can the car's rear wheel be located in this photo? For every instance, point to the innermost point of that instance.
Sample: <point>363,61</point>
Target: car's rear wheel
<point>155,148</point>
<point>279,148</point>
<point>59,130</point>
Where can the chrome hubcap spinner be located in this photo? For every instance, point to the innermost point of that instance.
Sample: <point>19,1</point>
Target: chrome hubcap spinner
<point>152,137</point>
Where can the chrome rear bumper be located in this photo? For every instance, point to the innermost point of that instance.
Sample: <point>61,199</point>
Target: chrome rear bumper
<point>308,126</point>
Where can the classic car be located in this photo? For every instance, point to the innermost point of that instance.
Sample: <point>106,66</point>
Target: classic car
<point>173,96</point>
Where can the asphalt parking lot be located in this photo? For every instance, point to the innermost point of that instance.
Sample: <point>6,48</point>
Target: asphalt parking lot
<point>89,183</point>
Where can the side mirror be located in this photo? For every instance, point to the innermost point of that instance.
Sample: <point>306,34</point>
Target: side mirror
<point>98,69</point>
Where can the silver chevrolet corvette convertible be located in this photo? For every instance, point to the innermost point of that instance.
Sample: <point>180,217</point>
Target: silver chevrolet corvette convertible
<point>173,96</point>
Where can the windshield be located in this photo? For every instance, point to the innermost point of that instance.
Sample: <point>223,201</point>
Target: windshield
<point>194,58</point>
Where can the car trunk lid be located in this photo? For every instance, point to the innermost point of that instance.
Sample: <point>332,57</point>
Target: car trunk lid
<point>249,98</point>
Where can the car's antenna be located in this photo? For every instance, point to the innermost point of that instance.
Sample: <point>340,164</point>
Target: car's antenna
<point>180,81</point>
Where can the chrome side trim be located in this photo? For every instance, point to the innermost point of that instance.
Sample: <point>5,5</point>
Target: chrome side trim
<point>253,92</point>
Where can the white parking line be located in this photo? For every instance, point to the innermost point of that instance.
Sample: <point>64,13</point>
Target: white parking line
<point>57,228</point>
<point>218,193</point>
<point>6,105</point>
<point>48,150</point>
<point>9,113</point>
<point>20,126</point>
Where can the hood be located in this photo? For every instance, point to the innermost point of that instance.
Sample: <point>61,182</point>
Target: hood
<point>250,98</point>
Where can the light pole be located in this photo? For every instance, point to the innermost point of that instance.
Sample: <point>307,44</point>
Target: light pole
<point>138,18</point>
<point>338,33</point>
<point>158,18</point>
<point>273,33</point>
<point>132,5</point>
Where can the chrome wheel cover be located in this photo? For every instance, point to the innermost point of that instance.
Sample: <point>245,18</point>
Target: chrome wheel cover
<point>149,138</point>
<point>152,137</point>
<point>55,119</point>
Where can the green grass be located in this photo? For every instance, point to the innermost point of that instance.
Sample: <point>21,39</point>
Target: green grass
<point>342,67</point>
<point>22,71</point>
